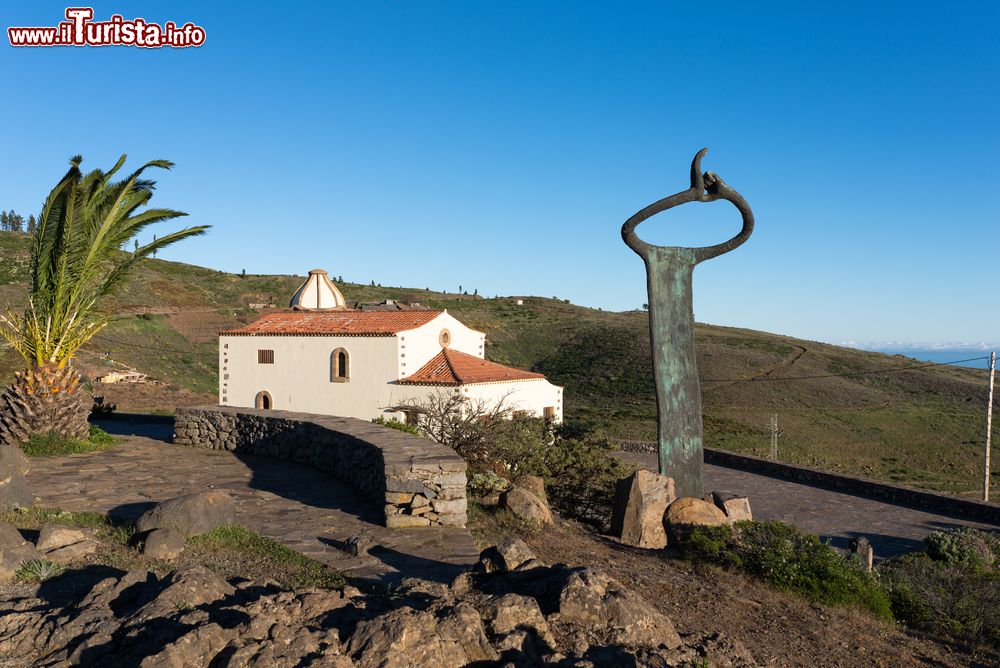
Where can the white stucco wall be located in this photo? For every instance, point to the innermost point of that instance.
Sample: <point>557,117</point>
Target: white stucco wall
<point>522,395</point>
<point>418,346</point>
<point>299,379</point>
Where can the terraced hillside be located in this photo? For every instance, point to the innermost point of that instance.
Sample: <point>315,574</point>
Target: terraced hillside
<point>922,427</point>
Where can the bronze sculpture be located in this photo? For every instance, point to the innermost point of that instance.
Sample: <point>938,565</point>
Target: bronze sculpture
<point>671,327</point>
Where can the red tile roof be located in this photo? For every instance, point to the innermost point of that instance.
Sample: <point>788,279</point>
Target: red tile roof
<point>335,323</point>
<point>451,367</point>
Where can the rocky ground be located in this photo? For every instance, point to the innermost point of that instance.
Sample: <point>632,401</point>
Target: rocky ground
<point>547,592</point>
<point>778,629</point>
<point>564,596</point>
<point>514,609</point>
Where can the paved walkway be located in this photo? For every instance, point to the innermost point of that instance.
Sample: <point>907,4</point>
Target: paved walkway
<point>314,513</point>
<point>305,509</point>
<point>892,529</point>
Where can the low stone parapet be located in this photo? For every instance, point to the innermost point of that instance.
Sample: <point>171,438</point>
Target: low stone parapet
<point>416,481</point>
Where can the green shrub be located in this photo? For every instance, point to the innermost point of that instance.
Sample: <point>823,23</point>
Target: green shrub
<point>397,425</point>
<point>965,546</point>
<point>580,474</point>
<point>485,484</point>
<point>51,443</point>
<point>947,598</point>
<point>789,559</point>
<point>709,544</point>
<point>37,570</point>
<point>288,566</point>
<point>100,437</point>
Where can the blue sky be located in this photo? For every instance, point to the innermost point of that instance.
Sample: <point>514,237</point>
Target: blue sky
<point>500,146</point>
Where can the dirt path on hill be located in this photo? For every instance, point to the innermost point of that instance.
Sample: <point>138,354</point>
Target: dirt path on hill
<point>786,363</point>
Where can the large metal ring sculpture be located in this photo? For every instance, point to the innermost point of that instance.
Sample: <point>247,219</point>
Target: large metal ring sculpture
<point>671,326</point>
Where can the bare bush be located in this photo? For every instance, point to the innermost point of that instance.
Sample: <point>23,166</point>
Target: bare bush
<point>474,428</point>
<point>578,468</point>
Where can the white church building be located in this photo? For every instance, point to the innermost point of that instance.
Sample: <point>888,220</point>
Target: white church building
<point>323,357</point>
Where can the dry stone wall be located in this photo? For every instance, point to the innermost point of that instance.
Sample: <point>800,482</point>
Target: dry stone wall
<point>418,482</point>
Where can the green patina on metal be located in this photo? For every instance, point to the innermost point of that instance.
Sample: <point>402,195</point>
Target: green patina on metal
<point>671,327</point>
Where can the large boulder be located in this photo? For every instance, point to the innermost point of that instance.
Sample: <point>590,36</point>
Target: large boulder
<point>640,501</point>
<point>594,601</point>
<point>508,555</point>
<point>735,507</point>
<point>513,612</point>
<point>191,514</point>
<point>526,505</point>
<point>406,637</point>
<point>14,551</point>
<point>534,484</point>
<point>165,544</point>
<point>688,512</point>
<point>14,489</point>
<point>63,543</point>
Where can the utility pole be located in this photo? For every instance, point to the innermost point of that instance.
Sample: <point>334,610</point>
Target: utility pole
<point>989,429</point>
<point>774,436</point>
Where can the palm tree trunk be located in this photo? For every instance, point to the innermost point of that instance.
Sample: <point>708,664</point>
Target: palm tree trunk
<point>44,399</point>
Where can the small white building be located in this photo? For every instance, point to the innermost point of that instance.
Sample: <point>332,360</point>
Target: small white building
<point>322,357</point>
<point>122,377</point>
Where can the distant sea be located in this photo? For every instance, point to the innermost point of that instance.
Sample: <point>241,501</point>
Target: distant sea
<point>940,355</point>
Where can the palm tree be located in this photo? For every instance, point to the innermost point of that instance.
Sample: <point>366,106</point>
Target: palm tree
<point>75,262</point>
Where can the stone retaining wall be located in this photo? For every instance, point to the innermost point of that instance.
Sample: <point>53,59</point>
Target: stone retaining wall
<point>839,482</point>
<point>921,499</point>
<point>420,483</point>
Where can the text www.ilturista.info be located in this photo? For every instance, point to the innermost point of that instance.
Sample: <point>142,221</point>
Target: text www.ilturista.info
<point>80,30</point>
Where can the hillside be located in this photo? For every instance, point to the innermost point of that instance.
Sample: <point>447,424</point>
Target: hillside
<point>921,427</point>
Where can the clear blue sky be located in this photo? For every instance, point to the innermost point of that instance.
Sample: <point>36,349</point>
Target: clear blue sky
<point>500,147</point>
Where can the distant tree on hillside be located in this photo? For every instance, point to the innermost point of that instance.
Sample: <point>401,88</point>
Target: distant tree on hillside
<point>10,221</point>
<point>243,274</point>
<point>136,244</point>
<point>32,224</point>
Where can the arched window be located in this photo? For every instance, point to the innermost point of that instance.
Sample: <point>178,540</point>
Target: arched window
<point>263,400</point>
<point>340,366</point>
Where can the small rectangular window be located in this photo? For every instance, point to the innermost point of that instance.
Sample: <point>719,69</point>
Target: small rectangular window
<point>265,357</point>
<point>549,412</point>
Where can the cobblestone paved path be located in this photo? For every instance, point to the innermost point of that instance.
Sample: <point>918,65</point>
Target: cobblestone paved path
<point>307,510</point>
<point>836,516</point>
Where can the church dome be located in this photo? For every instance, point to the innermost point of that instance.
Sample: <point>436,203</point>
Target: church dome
<point>318,293</point>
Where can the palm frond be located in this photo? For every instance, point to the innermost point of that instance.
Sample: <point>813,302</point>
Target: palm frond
<point>76,261</point>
